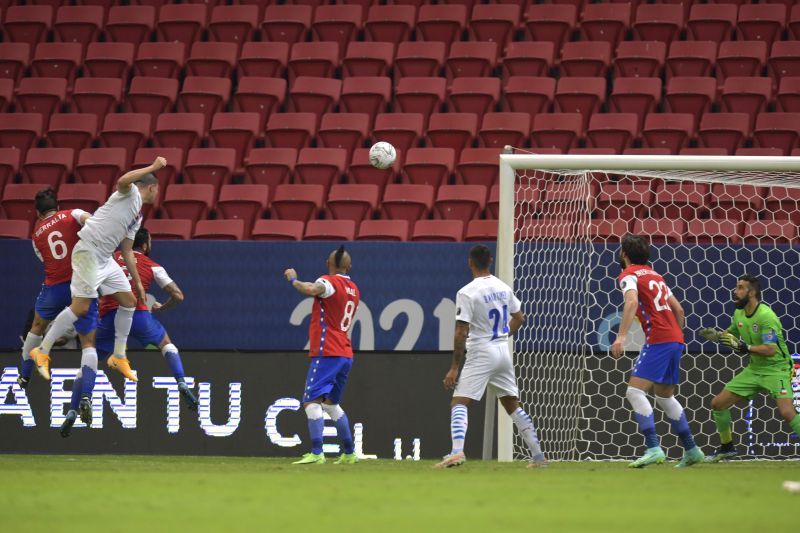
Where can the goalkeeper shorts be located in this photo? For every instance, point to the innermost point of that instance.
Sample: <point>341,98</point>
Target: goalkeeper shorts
<point>748,383</point>
<point>660,363</point>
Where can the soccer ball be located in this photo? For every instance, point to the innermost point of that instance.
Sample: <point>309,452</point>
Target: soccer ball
<point>382,155</point>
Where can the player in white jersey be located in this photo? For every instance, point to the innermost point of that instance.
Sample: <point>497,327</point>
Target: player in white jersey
<point>487,312</point>
<point>115,223</point>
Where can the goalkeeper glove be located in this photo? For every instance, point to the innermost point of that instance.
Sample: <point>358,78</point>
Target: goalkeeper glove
<point>710,334</point>
<point>738,345</point>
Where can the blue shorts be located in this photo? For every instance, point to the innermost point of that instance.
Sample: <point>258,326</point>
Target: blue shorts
<point>326,378</point>
<point>145,328</point>
<point>53,299</point>
<point>660,363</point>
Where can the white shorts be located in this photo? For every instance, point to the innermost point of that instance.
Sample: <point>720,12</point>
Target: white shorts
<point>89,272</point>
<point>490,364</point>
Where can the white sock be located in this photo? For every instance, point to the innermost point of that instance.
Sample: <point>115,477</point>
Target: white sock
<point>672,407</point>
<point>525,427</point>
<point>458,427</point>
<point>122,327</point>
<point>639,402</point>
<point>334,411</point>
<point>314,411</point>
<point>63,323</point>
<point>89,358</point>
<point>31,342</point>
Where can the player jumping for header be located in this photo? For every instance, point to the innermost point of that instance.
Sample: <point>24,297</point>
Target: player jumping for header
<point>755,331</point>
<point>115,222</point>
<point>336,299</point>
<point>483,308</point>
<point>648,298</point>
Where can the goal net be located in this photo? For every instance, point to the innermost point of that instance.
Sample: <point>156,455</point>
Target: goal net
<point>709,220</point>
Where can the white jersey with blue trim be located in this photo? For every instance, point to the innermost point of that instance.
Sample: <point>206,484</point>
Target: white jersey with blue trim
<point>486,304</point>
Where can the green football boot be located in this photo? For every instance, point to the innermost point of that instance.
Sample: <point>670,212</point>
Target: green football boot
<point>652,456</point>
<point>311,459</point>
<point>691,457</point>
<point>346,459</point>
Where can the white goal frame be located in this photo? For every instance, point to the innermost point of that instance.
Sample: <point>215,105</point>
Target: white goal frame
<point>511,163</point>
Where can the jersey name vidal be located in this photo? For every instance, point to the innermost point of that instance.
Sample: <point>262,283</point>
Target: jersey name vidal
<point>117,219</point>
<point>332,317</point>
<point>654,313</point>
<point>486,303</point>
<point>53,240</point>
<point>148,271</point>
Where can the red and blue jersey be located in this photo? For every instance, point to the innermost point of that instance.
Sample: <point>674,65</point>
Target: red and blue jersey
<point>332,317</point>
<point>148,270</point>
<point>54,238</point>
<point>654,313</point>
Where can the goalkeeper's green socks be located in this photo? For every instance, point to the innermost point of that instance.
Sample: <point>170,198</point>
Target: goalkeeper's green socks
<point>795,423</point>
<point>723,421</point>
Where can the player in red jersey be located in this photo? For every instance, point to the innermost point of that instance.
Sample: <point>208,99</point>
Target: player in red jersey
<point>336,299</point>
<point>648,298</point>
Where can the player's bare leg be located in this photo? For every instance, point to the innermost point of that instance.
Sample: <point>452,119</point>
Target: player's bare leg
<point>122,327</point>
<point>32,340</point>
<point>173,358</point>
<point>62,323</point>
<point>720,410</point>
<point>526,429</point>
<point>458,432</point>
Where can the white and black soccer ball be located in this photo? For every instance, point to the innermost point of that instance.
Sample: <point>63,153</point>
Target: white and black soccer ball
<point>382,155</point>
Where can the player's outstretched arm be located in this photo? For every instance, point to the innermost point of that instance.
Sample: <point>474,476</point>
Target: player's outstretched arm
<point>459,348</point>
<point>129,178</point>
<point>303,287</point>
<point>175,298</point>
<point>677,310</point>
<point>628,313</point>
<point>130,263</point>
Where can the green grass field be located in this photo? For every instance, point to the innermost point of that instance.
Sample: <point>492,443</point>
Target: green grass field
<point>157,493</point>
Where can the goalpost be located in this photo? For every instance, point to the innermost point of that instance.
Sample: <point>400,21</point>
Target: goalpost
<point>709,219</point>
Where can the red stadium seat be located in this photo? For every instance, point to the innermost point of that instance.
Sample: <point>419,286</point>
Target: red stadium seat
<point>49,166</point>
<point>428,166</point>
<point>17,201</point>
<point>788,96</point>
<point>263,59</point>
<point>343,130</point>
<point>460,202</point>
<point>494,23</point>
<point>501,129</point>
<point>73,130</point>
<point>760,152</point>
<point>181,23</point>
<point>702,151</point>
<point>286,23</point>
<point>770,232</point>
<point>108,60</point>
<point>481,230</point>
<point>98,96</point>
<point>724,130</point>
<point>167,175</point>
<point>474,95</point>
<point>153,96</point>
<point>746,95</point>
<point>528,59</point>
<point>101,165</point>
<point>260,95</point>
<point>401,130</point>
<point>612,130</point>
<point>126,130</point>
<point>557,130</point>
<point>644,150</point>
<point>711,22</point>
<point>130,24</point>
<point>635,95</point>
<point>353,202</point>
<point>473,59</point>
<point>57,60</point>
<point>438,231</point>
<point>640,59</point>
<point>493,204</point>
<point>15,229</point>
<point>204,95</point>
<point>86,196</point>
<point>585,58</point>
<point>529,94</point>
<point>658,22</point>
<point>691,94</point>
<point>668,130</point>
<point>550,22</point>
<point>452,130</point>
<point>212,166</point>
<point>383,230</point>
<point>297,202</point>
<point>624,200</point>
<point>244,202</point>
<point>691,58</point>
<point>169,229</point>
<point>41,95</point>
<point>420,95</point>
<point>189,202</point>
<point>368,59</point>
<point>419,59</point>
<point>291,130</point>
<point>219,230</point>
<point>661,230</point>
<point>762,22</point>
<point>320,166</point>
<point>20,130</point>
<point>159,60</point>
<point>608,230</point>
<point>318,59</point>
<point>234,130</point>
<point>27,24</point>
<point>478,166</point>
<point>9,165</point>
<point>340,23</point>
<point>330,230</point>
<point>580,95</point>
<point>233,24</point>
<point>559,200</point>
<point>314,95</point>
<point>179,130</point>
<point>212,59</point>
<point>736,202</point>
<point>278,230</point>
<point>741,58</point>
<point>605,22</point>
<point>777,130</point>
<point>680,201</point>
<point>442,23</point>
<point>361,171</point>
<point>270,166</point>
<point>407,202</point>
<point>389,23</point>
<point>14,59</point>
<point>784,61</point>
<point>793,24</point>
<point>783,203</point>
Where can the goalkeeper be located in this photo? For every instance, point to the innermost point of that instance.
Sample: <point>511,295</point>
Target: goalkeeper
<point>754,330</point>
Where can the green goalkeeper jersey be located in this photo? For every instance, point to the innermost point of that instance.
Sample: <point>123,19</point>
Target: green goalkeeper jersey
<point>762,327</point>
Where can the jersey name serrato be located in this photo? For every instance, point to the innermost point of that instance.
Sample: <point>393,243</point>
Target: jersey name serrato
<point>762,327</point>
<point>148,271</point>
<point>117,219</point>
<point>53,240</point>
<point>654,313</point>
<point>332,317</point>
<point>486,304</point>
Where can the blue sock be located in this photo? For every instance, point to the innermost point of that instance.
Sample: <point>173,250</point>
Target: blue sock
<point>647,425</point>
<point>27,368</point>
<point>175,364</point>
<point>681,427</point>
<point>343,429</point>
<point>315,428</point>
<point>77,387</point>
<point>87,385</point>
